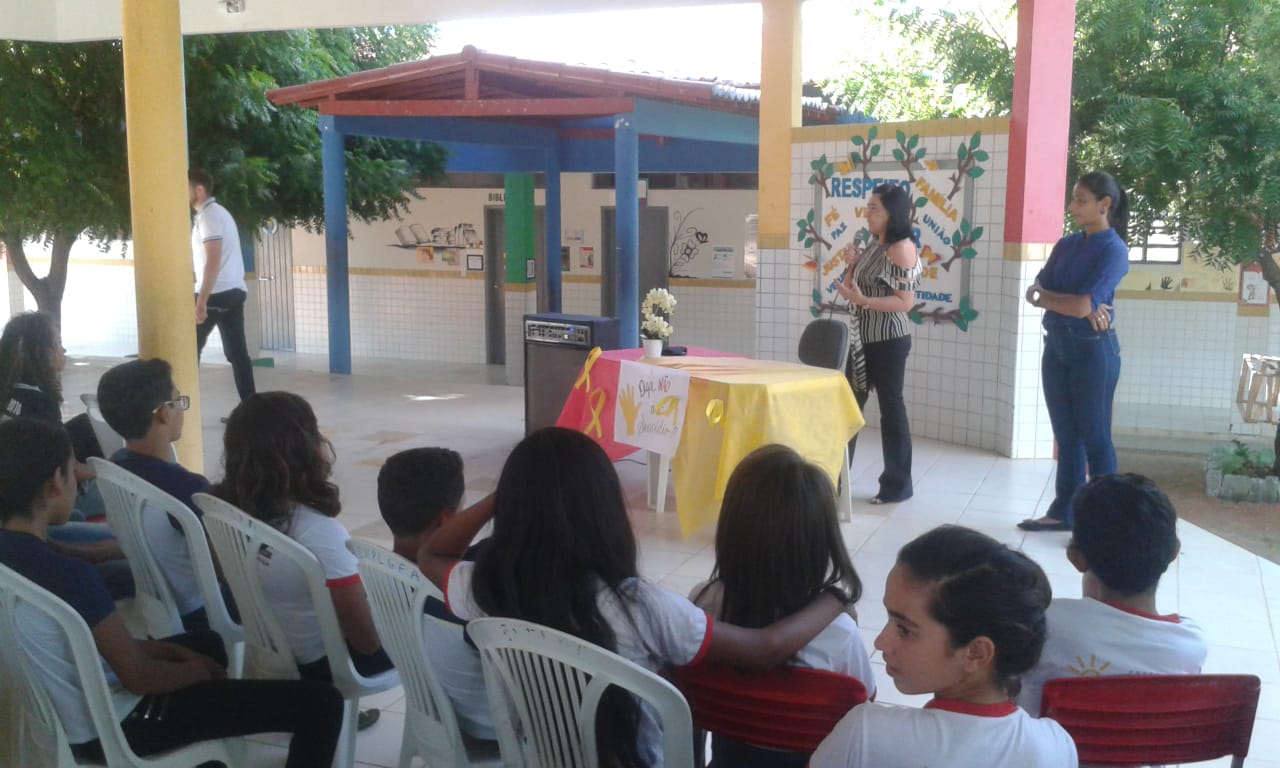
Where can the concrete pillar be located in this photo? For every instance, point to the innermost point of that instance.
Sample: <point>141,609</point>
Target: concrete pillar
<point>779,113</point>
<point>337,275</point>
<point>626,181</point>
<point>156,122</point>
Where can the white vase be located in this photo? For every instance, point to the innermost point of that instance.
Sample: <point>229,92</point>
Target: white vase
<point>652,347</point>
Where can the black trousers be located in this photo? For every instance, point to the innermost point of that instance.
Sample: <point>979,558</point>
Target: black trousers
<point>886,373</point>
<point>226,312</point>
<point>217,709</point>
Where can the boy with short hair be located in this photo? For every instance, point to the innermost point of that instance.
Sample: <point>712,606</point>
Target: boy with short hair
<point>140,401</point>
<point>418,489</point>
<point>1124,536</point>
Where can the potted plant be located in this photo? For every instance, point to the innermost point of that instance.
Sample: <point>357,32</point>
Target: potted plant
<point>655,328</point>
<point>1240,473</point>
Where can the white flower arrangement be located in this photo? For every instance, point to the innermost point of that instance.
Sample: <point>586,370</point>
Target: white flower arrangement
<point>657,307</point>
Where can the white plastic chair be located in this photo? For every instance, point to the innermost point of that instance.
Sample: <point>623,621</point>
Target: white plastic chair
<point>237,538</point>
<point>108,439</point>
<point>397,592</point>
<point>129,501</point>
<point>553,682</point>
<point>43,740</point>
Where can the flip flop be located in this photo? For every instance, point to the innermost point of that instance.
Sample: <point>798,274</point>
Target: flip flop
<point>367,718</point>
<point>1037,524</point>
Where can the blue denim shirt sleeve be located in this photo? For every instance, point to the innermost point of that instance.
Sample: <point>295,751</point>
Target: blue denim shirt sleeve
<point>1090,266</point>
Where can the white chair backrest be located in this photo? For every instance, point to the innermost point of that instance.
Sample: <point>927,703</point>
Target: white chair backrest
<point>554,682</point>
<point>238,538</point>
<point>38,711</point>
<point>397,593</point>
<point>129,499</point>
<point>108,439</point>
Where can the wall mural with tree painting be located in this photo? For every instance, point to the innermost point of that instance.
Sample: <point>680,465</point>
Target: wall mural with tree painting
<point>686,243</point>
<point>942,222</point>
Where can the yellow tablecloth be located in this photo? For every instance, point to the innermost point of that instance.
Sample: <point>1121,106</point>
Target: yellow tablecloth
<point>737,405</point>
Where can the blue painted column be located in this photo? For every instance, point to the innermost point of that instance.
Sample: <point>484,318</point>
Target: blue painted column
<point>626,256</point>
<point>337,277</point>
<point>551,206</point>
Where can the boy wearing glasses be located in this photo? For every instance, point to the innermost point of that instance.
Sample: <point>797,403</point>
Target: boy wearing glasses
<point>139,400</point>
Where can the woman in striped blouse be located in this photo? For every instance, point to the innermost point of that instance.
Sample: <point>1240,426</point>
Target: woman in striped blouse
<point>880,285</point>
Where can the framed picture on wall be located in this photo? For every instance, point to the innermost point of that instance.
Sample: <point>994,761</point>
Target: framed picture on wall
<point>1254,289</point>
<point>475,262</point>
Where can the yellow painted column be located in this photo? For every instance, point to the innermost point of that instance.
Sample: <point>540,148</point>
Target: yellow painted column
<point>779,113</point>
<point>156,119</point>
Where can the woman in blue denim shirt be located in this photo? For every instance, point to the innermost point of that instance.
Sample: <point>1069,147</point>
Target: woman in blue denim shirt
<point>1081,362</point>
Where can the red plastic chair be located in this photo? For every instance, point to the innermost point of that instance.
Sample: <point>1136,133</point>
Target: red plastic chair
<point>1153,719</point>
<point>787,708</point>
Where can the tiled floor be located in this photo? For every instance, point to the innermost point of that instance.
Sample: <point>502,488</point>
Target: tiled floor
<point>390,406</point>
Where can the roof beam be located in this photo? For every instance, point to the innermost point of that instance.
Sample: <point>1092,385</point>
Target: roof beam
<point>449,129</point>
<point>678,121</point>
<point>586,107</point>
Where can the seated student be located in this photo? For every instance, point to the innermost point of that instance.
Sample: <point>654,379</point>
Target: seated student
<point>966,619</point>
<point>277,471</point>
<point>419,489</point>
<point>31,363</point>
<point>563,555</point>
<point>778,545</point>
<point>1123,537</point>
<point>140,401</point>
<point>167,693</point>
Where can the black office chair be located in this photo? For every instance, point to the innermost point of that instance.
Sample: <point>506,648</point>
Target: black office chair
<point>825,343</point>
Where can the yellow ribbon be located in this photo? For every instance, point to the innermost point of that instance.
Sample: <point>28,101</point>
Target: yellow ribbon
<point>584,378</point>
<point>715,412</point>
<point>596,400</point>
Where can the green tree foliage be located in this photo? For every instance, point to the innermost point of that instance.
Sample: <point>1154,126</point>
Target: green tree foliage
<point>63,164</point>
<point>905,74</point>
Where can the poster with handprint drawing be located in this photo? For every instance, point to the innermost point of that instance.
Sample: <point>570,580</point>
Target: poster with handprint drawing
<point>650,406</point>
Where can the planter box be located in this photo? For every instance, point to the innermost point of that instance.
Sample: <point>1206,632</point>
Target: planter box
<point>1239,487</point>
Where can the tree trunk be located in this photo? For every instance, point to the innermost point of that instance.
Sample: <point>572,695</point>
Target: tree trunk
<point>47,290</point>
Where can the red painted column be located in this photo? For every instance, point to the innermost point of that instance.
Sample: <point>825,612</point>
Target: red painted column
<point>1036,194</point>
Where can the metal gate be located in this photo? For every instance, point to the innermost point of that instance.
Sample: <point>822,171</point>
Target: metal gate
<point>274,262</point>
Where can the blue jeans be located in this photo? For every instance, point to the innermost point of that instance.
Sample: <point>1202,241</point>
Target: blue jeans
<point>1080,370</point>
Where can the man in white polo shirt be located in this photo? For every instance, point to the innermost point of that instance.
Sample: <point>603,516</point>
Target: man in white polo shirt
<point>219,277</point>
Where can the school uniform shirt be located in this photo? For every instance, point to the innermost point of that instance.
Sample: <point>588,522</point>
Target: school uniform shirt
<point>1090,638</point>
<point>164,535</point>
<point>837,648</point>
<point>79,585</point>
<point>286,588</point>
<point>944,733</point>
<point>457,667</point>
<point>655,629</point>
<point>213,222</point>
<point>28,401</point>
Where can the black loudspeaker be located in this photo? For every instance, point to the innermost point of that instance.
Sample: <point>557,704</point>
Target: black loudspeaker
<point>555,348</point>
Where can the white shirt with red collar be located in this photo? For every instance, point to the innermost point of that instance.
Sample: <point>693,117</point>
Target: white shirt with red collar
<point>948,733</point>
<point>286,588</point>
<point>1090,638</point>
<point>654,628</point>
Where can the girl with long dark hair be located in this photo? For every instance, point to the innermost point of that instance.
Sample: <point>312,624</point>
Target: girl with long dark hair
<point>563,555</point>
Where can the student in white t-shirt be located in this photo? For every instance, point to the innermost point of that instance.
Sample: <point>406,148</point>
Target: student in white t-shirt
<point>1123,537</point>
<point>966,619</point>
<point>778,545</point>
<point>563,555</point>
<point>277,470</point>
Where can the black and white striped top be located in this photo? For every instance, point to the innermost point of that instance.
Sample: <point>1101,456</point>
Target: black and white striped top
<point>877,275</point>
